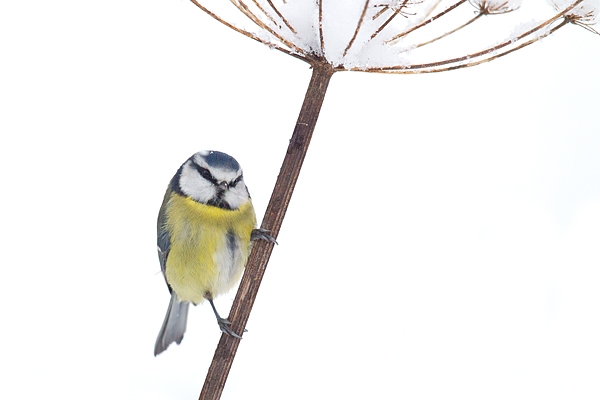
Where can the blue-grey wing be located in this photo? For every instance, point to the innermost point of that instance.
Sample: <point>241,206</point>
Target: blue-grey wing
<point>163,238</point>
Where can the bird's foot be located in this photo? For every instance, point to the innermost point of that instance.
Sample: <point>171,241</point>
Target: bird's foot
<point>263,234</point>
<point>224,324</point>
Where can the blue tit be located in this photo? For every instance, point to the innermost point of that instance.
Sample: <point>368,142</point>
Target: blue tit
<point>205,230</point>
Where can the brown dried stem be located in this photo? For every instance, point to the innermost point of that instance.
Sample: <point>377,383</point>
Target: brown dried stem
<point>246,11</point>
<point>387,21</point>
<point>484,9</point>
<point>447,10</point>
<point>358,25</point>
<point>585,21</point>
<point>469,22</point>
<point>474,63</point>
<point>431,9</point>
<point>227,24</point>
<point>262,10</point>
<point>304,57</point>
<point>321,39</point>
<point>285,21</point>
<point>585,26</point>
<point>261,251</point>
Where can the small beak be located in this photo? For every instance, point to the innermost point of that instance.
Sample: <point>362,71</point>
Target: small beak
<point>223,186</point>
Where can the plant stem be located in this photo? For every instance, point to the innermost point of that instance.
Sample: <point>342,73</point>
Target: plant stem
<point>261,251</point>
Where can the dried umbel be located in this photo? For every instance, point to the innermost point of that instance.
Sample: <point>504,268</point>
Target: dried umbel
<point>400,36</point>
<point>584,14</point>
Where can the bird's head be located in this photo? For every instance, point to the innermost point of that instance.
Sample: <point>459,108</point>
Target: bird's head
<point>212,178</point>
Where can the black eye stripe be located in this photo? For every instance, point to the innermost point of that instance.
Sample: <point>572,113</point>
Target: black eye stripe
<point>205,174</point>
<point>208,176</point>
<point>236,181</point>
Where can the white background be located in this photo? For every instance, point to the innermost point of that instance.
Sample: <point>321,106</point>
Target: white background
<point>442,242</point>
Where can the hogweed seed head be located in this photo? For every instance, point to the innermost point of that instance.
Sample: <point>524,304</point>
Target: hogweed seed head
<point>396,36</point>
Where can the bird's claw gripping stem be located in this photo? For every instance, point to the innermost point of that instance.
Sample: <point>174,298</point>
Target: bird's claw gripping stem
<point>263,234</point>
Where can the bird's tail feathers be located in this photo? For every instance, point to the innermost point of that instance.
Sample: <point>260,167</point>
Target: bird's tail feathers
<point>174,325</point>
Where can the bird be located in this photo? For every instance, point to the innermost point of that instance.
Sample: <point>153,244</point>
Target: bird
<point>205,229</point>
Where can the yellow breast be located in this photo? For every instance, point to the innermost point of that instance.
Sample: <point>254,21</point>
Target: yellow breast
<point>209,247</point>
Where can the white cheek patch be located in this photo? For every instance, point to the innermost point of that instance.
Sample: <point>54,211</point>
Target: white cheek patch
<point>236,196</point>
<point>195,186</point>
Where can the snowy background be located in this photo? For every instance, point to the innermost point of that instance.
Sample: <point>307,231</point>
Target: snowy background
<point>442,242</point>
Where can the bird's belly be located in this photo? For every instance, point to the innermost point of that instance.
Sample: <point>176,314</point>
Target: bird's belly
<point>205,265</point>
<point>209,247</point>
